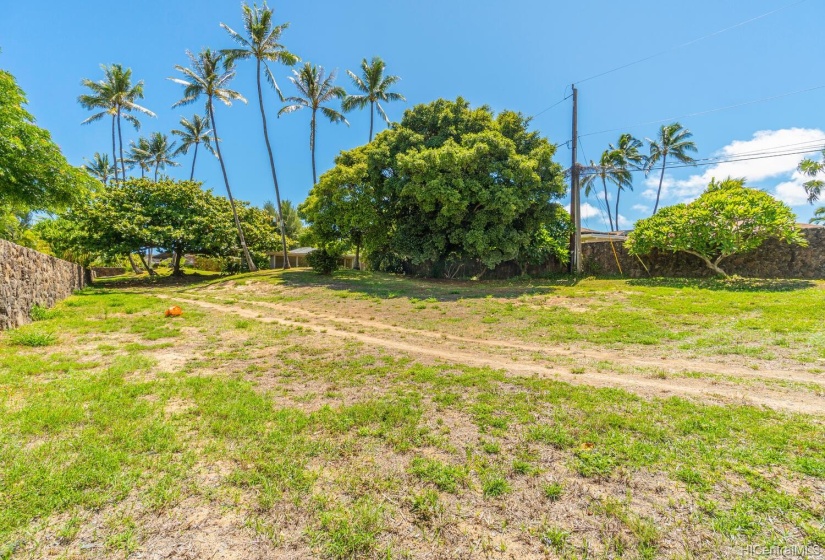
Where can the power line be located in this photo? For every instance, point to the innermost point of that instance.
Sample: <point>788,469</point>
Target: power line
<point>734,159</point>
<point>563,99</point>
<point>700,113</point>
<point>682,45</point>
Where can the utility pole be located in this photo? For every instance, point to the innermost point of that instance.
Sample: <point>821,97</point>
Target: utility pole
<point>575,193</point>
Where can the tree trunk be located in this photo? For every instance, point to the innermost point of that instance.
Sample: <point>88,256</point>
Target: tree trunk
<point>372,116</point>
<point>192,174</point>
<point>176,268</point>
<point>607,204</point>
<point>357,263</point>
<point>146,266</point>
<point>114,149</point>
<point>661,179</point>
<point>618,195</point>
<point>157,165</point>
<point>149,259</point>
<point>249,261</point>
<point>120,141</point>
<point>312,147</point>
<point>133,265</point>
<point>272,167</point>
<point>714,266</point>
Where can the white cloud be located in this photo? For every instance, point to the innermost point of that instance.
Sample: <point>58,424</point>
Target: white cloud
<point>624,223</point>
<point>641,208</point>
<point>792,192</point>
<point>754,170</point>
<point>590,211</point>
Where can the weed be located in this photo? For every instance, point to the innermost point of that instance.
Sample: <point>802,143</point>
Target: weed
<point>553,491</point>
<point>445,477</point>
<point>22,337</point>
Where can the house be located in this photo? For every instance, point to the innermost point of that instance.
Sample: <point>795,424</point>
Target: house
<point>298,258</point>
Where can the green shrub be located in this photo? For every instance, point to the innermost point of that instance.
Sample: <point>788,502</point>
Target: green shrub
<point>323,261</point>
<point>38,313</point>
<point>32,338</point>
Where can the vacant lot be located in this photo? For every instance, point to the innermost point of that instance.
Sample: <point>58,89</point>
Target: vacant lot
<point>288,415</point>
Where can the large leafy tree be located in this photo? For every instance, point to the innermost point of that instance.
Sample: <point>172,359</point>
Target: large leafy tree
<point>374,87</point>
<point>341,206</point>
<point>34,175</point>
<point>193,133</point>
<point>116,96</point>
<point>448,183</point>
<point>209,77</point>
<point>727,219</point>
<point>100,167</point>
<point>316,89</point>
<point>177,215</point>
<point>262,42</point>
<point>672,141</point>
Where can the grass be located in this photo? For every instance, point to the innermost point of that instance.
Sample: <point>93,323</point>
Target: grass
<point>758,319</point>
<point>125,417</point>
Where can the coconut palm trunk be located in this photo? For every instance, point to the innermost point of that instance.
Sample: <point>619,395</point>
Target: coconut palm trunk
<point>607,203</point>
<point>661,180</point>
<point>312,146</point>
<point>114,148</point>
<point>272,167</point>
<point>241,238</point>
<point>372,117</point>
<point>194,159</point>
<point>120,141</point>
<point>618,194</point>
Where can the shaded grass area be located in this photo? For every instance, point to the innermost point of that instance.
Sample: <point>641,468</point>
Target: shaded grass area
<point>95,420</point>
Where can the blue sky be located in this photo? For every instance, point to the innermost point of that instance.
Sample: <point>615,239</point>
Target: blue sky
<point>517,55</point>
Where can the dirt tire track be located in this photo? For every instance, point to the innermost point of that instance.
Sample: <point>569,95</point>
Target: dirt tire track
<point>673,365</point>
<point>796,402</point>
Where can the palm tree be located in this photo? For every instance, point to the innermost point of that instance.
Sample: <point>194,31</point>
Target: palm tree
<point>289,213</point>
<point>206,79</point>
<point>316,90</point>
<point>116,96</point>
<point>261,43</point>
<point>374,86</point>
<point>194,133</point>
<point>100,167</point>
<point>138,155</point>
<point>672,140</point>
<point>627,159</point>
<point>812,168</point>
<point>161,152</point>
<point>607,170</point>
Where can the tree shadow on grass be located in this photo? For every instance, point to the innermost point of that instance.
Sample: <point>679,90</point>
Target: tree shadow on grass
<point>384,285</point>
<point>732,284</point>
<point>161,280</point>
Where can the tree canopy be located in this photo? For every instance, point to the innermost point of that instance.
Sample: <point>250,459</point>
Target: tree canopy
<point>727,219</point>
<point>449,182</point>
<point>34,175</point>
<point>176,215</point>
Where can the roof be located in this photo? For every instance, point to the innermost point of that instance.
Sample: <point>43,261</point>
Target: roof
<point>301,251</point>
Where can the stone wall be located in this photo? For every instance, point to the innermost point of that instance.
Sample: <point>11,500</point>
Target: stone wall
<point>773,259</point>
<point>29,278</point>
